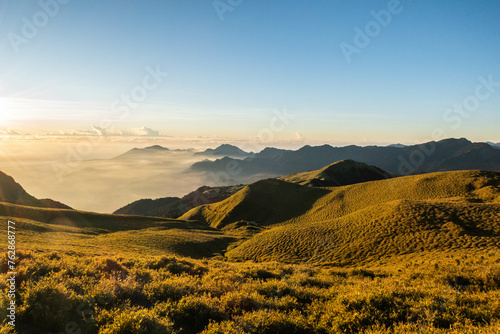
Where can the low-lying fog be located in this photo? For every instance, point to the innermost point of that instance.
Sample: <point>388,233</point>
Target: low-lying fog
<point>92,178</point>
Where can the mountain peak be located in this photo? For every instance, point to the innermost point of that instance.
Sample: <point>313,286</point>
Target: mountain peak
<point>226,150</point>
<point>339,173</point>
<point>157,147</point>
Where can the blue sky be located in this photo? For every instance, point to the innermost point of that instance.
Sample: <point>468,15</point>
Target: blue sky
<point>227,77</point>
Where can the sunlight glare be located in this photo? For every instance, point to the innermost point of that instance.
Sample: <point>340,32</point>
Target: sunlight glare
<point>5,111</point>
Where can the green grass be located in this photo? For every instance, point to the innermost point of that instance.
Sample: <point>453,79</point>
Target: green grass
<point>379,232</point>
<point>340,173</point>
<point>145,236</point>
<point>417,254</point>
<point>273,202</point>
<point>119,295</point>
<point>266,202</point>
<point>364,222</point>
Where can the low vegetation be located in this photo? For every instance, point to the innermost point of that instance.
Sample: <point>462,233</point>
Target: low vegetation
<point>418,254</point>
<point>379,232</point>
<point>96,294</point>
<point>271,202</point>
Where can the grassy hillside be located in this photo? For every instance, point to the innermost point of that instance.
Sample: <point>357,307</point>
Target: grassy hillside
<point>80,232</point>
<point>365,222</point>
<point>266,202</point>
<point>274,201</point>
<point>81,219</point>
<point>340,173</point>
<point>418,254</point>
<point>379,233</point>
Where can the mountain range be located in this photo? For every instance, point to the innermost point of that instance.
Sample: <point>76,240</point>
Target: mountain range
<point>149,152</point>
<point>444,155</point>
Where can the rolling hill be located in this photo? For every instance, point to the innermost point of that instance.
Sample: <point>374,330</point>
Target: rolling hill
<point>379,233</point>
<point>71,231</point>
<point>362,222</point>
<point>281,198</point>
<point>339,173</point>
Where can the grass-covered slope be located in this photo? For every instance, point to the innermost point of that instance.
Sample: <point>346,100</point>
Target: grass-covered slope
<point>379,233</point>
<point>265,202</point>
<point>80,232</point>
<point>366,222</point>
<point>274,201</point>
<point>340,173</point>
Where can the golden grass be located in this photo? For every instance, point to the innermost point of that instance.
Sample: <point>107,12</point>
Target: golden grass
<point>266,202</point>
<point>154,238</point>
<point>417,254</point>
<point>273,201</point>
<point>338,174</point>
<point>156,295</point>
<point>379,232</point>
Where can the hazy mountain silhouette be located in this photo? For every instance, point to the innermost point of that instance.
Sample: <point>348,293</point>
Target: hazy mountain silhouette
<point>149,152</point>
<point>445,155</point>
<point>12,192</point>
<point>226,150</point>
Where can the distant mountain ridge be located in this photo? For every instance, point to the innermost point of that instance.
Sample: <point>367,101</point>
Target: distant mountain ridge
<point>154,150</point>
<point>226,150</point>
<point>445,155</point>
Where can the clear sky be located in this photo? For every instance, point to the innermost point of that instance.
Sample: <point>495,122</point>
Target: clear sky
<point>348,71</point>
